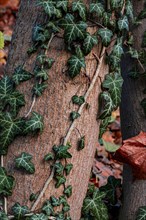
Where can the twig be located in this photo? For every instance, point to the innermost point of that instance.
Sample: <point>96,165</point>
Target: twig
<point>5,198</point>
<point>96,23</point>
<point>30,214</point>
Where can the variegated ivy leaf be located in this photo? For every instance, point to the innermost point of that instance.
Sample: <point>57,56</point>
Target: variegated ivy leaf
<point>103,125</point>
<point>141,214</point>
<point>62,199</point>
<point>60,180</point>
<point>6,183</point>
<point>38,89</point>
<point>1,40</point>
<point>89,43</point>
<point>118,49</point>
<point>59,168</point>
<point>74,65</point>
<point>107,105</point>
<point>19,211</point>
<point>113,82</point>
<point>24,162</point>
<point>78,100</point>
<point>54,201</point>
<point>68,168</point>
<point>10,128</point>
<point>3,216</point>
<point>62,151</point>
<point>48,6</point>
<point>105,35</point>
<point>96,8</point>
<point>66,208</point>
<point>41,73</point>
<point>116,4</point>
<point>48,208</point>
<point>43,59</point>
<point>68,191</point>
<point>123,23</point>
<point>21,75</point>
<point>129,9</point>
<point>80,7</point>
<point>35,123</point>
<point>49,157</point>
<point>114,62</point>
<point>63,4</point>
<point>6,87</point>
<point>94,205</point>
<point>16,101</point>
<point>74,115</point>
<point>81,143</point>
<point>73,30</point>
<point>40,216</point>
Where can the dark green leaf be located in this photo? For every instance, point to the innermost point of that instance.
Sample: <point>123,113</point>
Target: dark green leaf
<point>62,200</point>
<point>62,152</point>
<point>118,48</point>
<point>24,162</point>
<point>54,201</point>
<point>49,7</point>
<point>66,208</point>
<point>105,35</point>
<point>129,9</point>
<point>123,23</point>
<point>43,59</point>
<point>96,8</point>
<point>48,208</point>
<point>74,115</point>
<point>3,216</point>
<point>49,157</point>
<point>63,4</point>
<point>141,214</point>
<point>68,168</point>
<point>81,143</point>
<point>21,75</point>
<point>144,40</point>
<point>33,197</point>
<point>39,217</point>
<point>41,73</point>
<point>142,14</point>
<point>80,7</point>
<point>37,30</point>
<point>68,191</point>
<point>78,100</point>
<point>59,168</point>
<point>89,43</point>
<point>6,87</point>
<point>74,65</point>
<point>38,89</point>
<point>19,211</point>
<point>60,180</point>
<point>107,105</point>
<point>103,125</point>
<point>116,4</point>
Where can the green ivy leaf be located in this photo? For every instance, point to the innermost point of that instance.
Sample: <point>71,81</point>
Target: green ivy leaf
<point>49,7</point>
<point>68,191</point>
<point>80,7</point>
<point>110,189</point>
<point>43,59</point>
<point>24,162</point>
<point>62,200</point>
<point>103,126</point>
<point>40,216</point>
<point>133,53</point>
<point>6,87</point>
<point>74,65</point>
<point>118,48</point>
<point>41,73</point>
<point>60,180</point>
<point>37,32</point>
<point>3,216</point>
<point>33,197</point>
<point>105,35</point>
<point>74,115</point>
<point>55,201</point>
<point>62,152</point>
<point>73,30</point>
<point>19,211</point>
<point>48,208</point>
<point>10,128</point>
<point>116,4</point>
<point>89,43</point>
<point>68,168</point>
<point>35,123</point>
<point>141,214</point>
<point>94,205</point>
<point>49,157</point>
<point>81,143</point>
<point>63,4</point>
<point>1,40</point>
<point>129,9</point>
<point>66,208</point>
<point>78,100</point>
<point>123,23</point>
<point>21,75</point>
<point>114,62</point>
<point>107,105</point>
<point>113,82</point>
<point>96,8</point>
<point>59,168</point>
<point>144,40</point>
<point>142,14</point>
<point>38,89</point>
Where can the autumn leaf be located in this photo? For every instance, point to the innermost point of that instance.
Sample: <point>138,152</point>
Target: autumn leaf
<point>133,152</point>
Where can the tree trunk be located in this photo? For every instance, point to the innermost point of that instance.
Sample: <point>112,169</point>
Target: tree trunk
<point>132,122</point>
<point>55,106</point>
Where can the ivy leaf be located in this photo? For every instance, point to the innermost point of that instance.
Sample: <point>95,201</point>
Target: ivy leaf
<point>3,216</point>
<point>1,40</point>
<point>38,89</point>
<point>110,147</point>
<point>113,82</point>
<point>89,43</point>
<point>68,191</point>
<point>62,152</point>
<point>40,216</point>
<point>74,115</point>
<point>43,59</point>
<point>94,205</point>
<point>62,4</point>
<point>48,6</point>
<point>141,214</point>
<point>73,30</point>
<point>107,105</point>
<point>6,87</point>
<point>48,208</point>
<point>129,9</point>
<point>66,208</point>
<point>68,168</point>
<point>123,24</point>
<point>78,100</point>
<point>48,157</point>
<point>144,40</point>
<point>116,4</point>
<point>74,65</point>
<point>10,128</point>
<point>54,201</point>
<point>6,182</point>
<point>133,53</point>
<point>110,189</point>
<point>37,30</point>
<point>142,14</point>
<point>118,49</point>
<point>103,126</point>
<point>114,62</point>
<point>80,7</point>
<point>41,73</point>
<point>35,123</point>
<point>33,197</point>
<point>19,211</point>
<point>24,162</point>
<point>62,200</point>
<point>97,8</point>
<point>21,75</point>
<point>59,168</point>
<point>81,143</point>
<point>16,101</point>
<point>60,180</point>
<point>105,35</point>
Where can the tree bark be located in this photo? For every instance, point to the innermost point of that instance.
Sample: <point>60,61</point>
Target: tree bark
<point>55,106</point>
<point>132,122</point>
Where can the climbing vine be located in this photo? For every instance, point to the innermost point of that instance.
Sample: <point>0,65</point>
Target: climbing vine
<point>111,18</point>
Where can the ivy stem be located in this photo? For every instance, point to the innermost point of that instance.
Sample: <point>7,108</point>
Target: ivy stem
<point>5,198</point>
<point>29,215</point>
<point>72,126</point>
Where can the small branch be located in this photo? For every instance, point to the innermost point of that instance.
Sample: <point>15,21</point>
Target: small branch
<point>31,107</point>
<point>29,215</point>
<point>5,198</point>
<point>96,23</point>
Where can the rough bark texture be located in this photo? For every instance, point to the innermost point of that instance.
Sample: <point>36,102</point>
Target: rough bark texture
<point>132,121</point>
<point>55,106</point>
